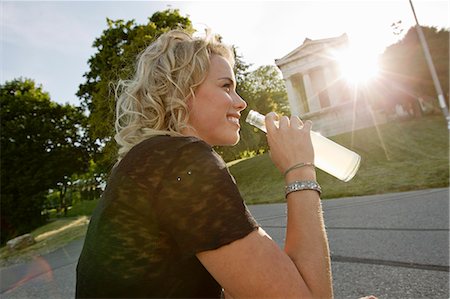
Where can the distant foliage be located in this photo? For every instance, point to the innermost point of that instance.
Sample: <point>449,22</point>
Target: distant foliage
<point>405,69</point>
<point>42,145</point>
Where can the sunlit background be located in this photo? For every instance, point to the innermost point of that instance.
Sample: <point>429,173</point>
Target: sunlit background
<point>357,65</point>
<point>326,63</point>
<point>51,41</point>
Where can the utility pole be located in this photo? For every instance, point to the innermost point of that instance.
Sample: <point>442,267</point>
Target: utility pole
<point>434,76</point>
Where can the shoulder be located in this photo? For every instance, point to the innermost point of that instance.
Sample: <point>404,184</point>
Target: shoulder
<point>165,146</point>
<point>193,151</point>
<point>172,144</point>
<point>167,150</point>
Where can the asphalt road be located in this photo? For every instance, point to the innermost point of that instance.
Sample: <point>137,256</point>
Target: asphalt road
<point>392,246</point>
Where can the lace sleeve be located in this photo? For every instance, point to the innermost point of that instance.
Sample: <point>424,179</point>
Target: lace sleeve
<point>199,203</point>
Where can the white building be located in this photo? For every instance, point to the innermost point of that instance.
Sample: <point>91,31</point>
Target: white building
<point>317,91</point>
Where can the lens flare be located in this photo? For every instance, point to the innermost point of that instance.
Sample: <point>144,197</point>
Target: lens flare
<point>357,64</point>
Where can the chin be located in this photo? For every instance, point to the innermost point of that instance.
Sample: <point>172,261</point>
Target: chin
<point>231,141</point>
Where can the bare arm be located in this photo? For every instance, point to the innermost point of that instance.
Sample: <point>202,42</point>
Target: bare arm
<point>306,241</point>
<point>254,266</point>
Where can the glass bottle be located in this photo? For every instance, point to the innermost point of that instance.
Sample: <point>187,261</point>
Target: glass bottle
<point>329,156</point>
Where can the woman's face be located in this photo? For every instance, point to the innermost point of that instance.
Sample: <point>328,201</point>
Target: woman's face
<point>215,111</point>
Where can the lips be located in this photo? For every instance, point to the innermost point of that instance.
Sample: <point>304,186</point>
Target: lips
<point>234,119</point>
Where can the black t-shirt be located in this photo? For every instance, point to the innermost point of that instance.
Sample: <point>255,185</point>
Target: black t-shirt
<point>168,199</point>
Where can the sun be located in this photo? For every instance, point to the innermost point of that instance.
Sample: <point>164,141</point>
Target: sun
<point>357,64</point>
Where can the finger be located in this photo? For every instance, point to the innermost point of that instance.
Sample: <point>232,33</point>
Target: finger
<point>284,122</point>
<point>307,125</point>
<point>296,122</point>
<point>270,120</point>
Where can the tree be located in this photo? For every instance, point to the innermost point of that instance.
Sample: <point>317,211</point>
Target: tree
<point>117,49</point>
<point>266,90</point>
<point>43,144</point>
<point>405,68</point>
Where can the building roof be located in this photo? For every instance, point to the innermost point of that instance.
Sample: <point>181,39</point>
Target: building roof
<point>310,46</point>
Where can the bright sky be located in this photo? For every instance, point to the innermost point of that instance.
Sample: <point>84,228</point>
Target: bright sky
<point>51,42</point>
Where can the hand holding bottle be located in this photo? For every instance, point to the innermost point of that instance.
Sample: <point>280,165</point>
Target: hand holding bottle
<point>328,155</point>
<point>289,141</point>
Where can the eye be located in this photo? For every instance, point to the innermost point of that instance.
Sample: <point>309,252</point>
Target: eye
<point>227,87</point>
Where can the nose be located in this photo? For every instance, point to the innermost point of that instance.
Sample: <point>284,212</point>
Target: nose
<point>239,102</point>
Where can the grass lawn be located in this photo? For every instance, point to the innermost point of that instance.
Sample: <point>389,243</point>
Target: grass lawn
<point>399,156</point>
<point>49,237</point>
<point>56,233</point>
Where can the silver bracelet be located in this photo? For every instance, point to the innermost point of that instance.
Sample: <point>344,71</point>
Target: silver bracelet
<point>299,165</point>
<point>302,185</point>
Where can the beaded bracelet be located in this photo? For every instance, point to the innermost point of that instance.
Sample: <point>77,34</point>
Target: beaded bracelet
<point>299,165</point>
<point>302,185</point>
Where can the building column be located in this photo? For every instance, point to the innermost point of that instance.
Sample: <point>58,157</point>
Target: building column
<point>294,101</point>
<point>332,86</point>
<point>313,98</point>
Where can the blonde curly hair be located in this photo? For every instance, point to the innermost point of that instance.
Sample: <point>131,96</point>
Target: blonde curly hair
<point>167,74</point>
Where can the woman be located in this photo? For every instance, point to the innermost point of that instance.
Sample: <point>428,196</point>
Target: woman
<point>171,222</point>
